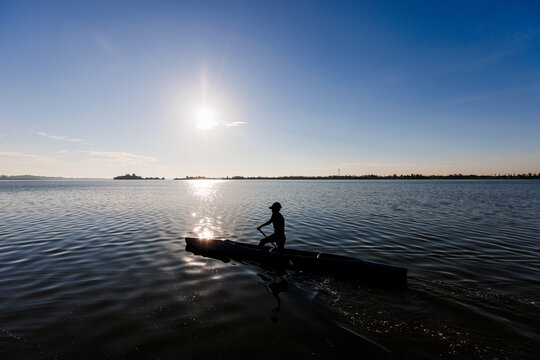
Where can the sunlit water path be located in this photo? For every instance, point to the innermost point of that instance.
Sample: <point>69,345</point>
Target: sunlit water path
<point>99,268</point>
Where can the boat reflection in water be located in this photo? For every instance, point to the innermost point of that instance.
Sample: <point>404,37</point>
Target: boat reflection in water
<point>372,273</point>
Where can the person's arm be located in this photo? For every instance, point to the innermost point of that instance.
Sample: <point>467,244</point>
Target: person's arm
<point>266,223</point>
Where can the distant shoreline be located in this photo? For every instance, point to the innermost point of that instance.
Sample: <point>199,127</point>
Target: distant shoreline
<point>39,178</point>
<point>373,177</point>
<point>331,177</point>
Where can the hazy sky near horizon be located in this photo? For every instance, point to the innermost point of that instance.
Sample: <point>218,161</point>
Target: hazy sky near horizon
<point>225,88</point>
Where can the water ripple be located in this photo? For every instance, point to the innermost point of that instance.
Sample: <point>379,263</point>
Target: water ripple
<point>99,269</point>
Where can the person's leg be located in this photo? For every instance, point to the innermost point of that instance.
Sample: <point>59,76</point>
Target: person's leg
<point>267,240</point>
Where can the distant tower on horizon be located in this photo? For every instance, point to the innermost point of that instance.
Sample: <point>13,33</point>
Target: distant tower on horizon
<point>338,171</point>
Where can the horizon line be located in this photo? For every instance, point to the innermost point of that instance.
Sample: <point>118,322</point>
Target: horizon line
<point>526,175</point>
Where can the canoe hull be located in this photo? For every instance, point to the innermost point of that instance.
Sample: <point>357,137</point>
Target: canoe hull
<point>300,260</point>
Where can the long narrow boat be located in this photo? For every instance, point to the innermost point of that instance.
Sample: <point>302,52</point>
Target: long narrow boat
<point>300,260</point>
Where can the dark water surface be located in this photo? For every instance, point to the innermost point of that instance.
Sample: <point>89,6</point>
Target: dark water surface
<point>96,269</point>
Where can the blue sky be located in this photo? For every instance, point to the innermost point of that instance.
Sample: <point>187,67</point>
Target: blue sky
<point>98,89</point>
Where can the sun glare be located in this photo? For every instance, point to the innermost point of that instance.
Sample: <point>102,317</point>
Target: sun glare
<point>205,118</point>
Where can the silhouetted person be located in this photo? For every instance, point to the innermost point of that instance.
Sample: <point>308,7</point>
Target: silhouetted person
<point>279,228</point>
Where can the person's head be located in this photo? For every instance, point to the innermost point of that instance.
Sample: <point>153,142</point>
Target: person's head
<point>275,207</point>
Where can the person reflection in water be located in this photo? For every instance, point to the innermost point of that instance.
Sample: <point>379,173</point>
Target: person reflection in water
<point>279,228</point>
<point>275,287</point>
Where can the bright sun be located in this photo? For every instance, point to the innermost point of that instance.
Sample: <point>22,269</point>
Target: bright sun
<point>205,118</point>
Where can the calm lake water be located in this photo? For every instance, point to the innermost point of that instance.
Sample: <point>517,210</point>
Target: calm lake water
<point>95,269</point>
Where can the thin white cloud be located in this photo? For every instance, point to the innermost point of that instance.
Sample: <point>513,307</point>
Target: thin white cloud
<point>120,157</point>
<point>28,158</point>
<point>54,137</point>
<point>233,123</point>
<point>62,138</point>
<point>63,152</point>
<point>3,135</point>
<point>59,137</point>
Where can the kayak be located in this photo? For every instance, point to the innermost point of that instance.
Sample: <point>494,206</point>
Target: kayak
<point>368,271</point>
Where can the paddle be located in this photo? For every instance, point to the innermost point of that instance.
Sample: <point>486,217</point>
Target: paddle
<point>267,237</point>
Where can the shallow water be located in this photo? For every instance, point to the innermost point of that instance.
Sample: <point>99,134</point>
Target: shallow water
<point>99,268</point>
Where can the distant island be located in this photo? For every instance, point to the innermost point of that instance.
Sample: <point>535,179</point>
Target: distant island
<point>375,177</point>
<point>30,177</point>
<point>136,177</point>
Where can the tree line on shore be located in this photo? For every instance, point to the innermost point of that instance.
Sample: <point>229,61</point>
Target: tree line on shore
<point>375,177</point>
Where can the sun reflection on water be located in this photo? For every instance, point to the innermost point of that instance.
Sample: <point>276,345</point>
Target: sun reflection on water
<point>206,191</point>
<point>204,188</point>
<point>207,228</point>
